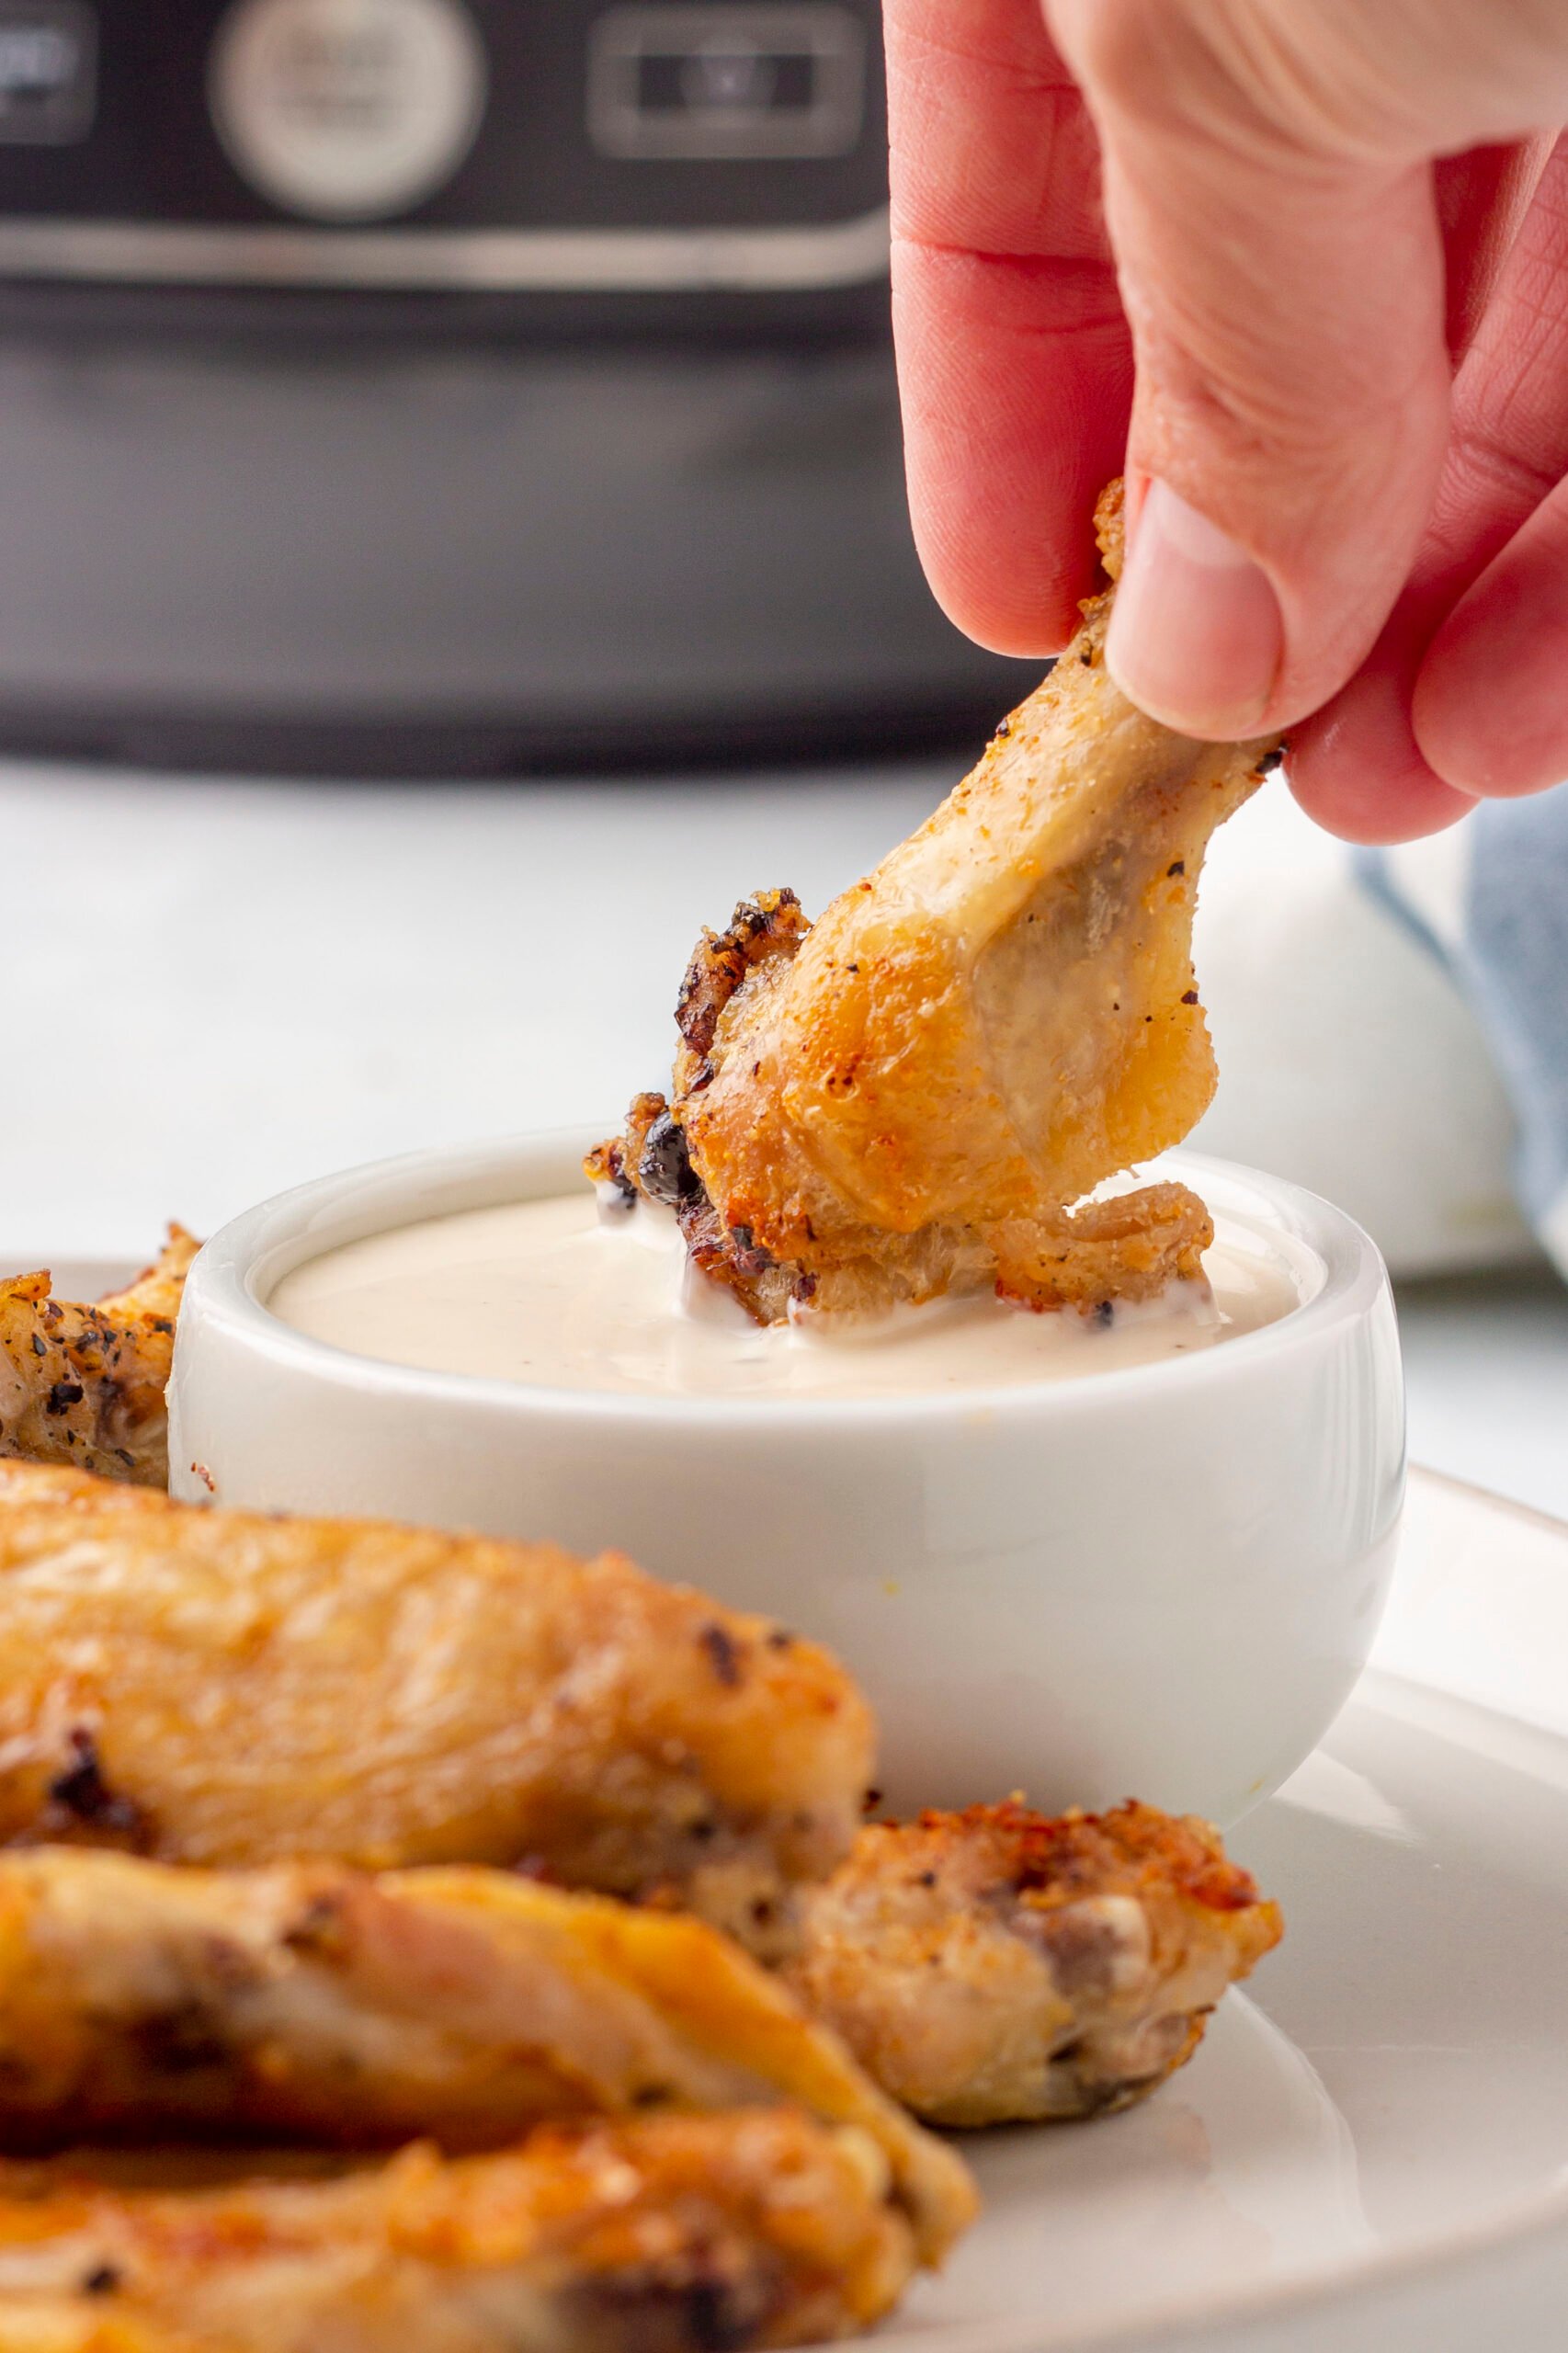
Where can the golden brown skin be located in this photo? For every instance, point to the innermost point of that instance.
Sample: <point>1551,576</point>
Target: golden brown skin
<point>84,1385</point>
<point>225,1688</point>
<point>311,2003</point>
<point>909,1097</point>
<point>675,2234</point>
<point>995,1966</point>
<point>76,2325</point>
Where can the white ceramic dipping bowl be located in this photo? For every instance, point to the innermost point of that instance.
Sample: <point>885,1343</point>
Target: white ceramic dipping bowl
<point>1160,1581</point>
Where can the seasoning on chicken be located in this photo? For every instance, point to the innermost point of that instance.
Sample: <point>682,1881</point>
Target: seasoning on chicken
<point>84,1385</point>
<point>672,2235</point>
<point>311,2003</point>
<point>228,1688</point>
<point>995,1966</point>
<point>909,1097</point>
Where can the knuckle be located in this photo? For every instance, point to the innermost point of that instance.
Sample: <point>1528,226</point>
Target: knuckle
<point>1248,76</point>
<point>1131,54</point>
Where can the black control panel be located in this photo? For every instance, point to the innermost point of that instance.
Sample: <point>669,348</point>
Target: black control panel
<point>48,73</point>
<point>485,116</point>
<point>728,84</point>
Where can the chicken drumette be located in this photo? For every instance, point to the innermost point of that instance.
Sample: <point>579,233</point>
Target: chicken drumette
<point>909,1097</point>
<point>993,1966</point>
<point>232,1687</point>
<point>671,2234</point>
<point>84,1385</point>
<point>314,2003</point>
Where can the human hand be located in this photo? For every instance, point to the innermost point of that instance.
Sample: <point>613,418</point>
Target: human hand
<point>1335,239</point>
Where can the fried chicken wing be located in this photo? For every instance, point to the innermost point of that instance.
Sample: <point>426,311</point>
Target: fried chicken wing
<point>675,2235</point>
<point>909,1097</point>
<point>84,1385</point>
<point>76,2325</point>
<point>314,2003</point>
<point>995,1966</point>
<point>227,1687</point>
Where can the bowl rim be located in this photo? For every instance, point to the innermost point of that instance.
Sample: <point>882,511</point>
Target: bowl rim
<point>227,1286</point>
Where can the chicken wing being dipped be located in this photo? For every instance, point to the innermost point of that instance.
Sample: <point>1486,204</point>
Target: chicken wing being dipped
<point>673,2235</point>
<point>310,2003</point>
<point>909,1097</point>
<point>227,1687</point>
<point>995,1966</point>
<point>84,1385</point>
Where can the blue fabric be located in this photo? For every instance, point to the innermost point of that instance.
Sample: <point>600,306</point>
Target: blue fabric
<point>1510,958</point>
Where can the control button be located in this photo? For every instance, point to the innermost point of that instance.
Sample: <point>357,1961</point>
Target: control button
<point>48,73</point>
<point>719,84</point>
<point>347,109</point>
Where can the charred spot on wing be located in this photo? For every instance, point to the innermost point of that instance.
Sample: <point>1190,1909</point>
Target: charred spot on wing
<point>81,1797</point>
<point>320,1928</point>
<point>185,2039</point>
<point>750,1257</point>
<point>650,1157</point>
<point>663,1168</point>
<point>770,924</point>
<point>694,2302</point>
<point>724,1652</point>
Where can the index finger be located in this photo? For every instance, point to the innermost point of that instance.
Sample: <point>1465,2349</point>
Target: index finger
<point>1014,361</point>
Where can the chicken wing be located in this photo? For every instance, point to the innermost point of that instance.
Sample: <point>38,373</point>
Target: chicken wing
<point>226,1687</point>
<point>995,1966</point>
<point>317,2004</point>
<point>908,1096</point>
<point>673,2235</point>
<point>76,2325</point>
<point>84,1385</point>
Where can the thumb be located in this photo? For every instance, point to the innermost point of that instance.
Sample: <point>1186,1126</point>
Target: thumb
<point>1271,198</point>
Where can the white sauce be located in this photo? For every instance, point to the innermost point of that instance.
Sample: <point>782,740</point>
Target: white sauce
<point>556,1293</point>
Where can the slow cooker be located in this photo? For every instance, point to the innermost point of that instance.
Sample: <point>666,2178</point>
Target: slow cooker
<point>455,385</point>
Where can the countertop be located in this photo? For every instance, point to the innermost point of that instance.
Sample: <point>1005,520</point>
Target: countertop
<point>1487,1364</point>
<point>219,988</point>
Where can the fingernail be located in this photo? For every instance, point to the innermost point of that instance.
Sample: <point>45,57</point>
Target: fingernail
<point>1196,634</point>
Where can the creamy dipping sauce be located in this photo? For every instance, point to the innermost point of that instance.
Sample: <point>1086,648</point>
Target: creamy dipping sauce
<point>561,1295</point>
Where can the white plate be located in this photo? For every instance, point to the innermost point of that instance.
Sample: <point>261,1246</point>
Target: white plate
<point>1371,2151</point>
<point>1370,2154</point>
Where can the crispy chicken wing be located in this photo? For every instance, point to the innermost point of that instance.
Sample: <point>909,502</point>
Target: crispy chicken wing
<point>76,2325</point>
<point>226,1687</point>
<point>84,1385</point>
<point>908,1096</point>
<point>993,1965</point>
<point>673,2235</point>
<point>313,2003</point>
